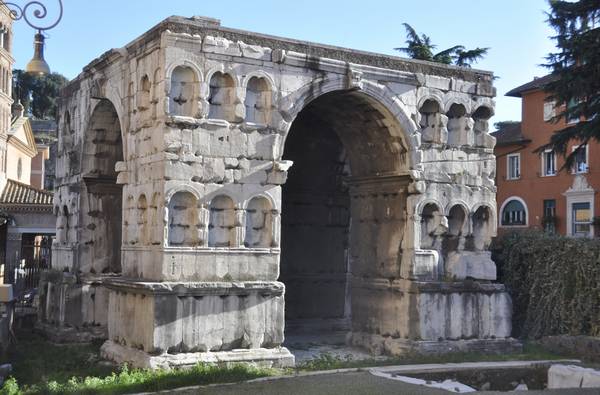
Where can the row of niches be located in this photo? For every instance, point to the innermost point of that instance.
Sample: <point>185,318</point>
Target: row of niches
<point>220,99</point>
<point>189,223</point>
<point>455,127</point>
<point>459,230</point>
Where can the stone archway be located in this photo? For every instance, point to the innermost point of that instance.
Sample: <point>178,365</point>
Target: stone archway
<point>101,214</point>
<point>343,214</point>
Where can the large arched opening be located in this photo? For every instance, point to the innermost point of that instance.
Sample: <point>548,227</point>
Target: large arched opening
<point>102,204</point>
<point>343,215</point>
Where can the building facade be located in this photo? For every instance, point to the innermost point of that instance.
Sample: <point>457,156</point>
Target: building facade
<point>216,186</point>
<point>532,190</point>
<point>26,219</point>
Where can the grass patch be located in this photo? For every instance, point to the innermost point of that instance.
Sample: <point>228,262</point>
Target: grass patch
<point>531,351</point>
<point>40,367</point>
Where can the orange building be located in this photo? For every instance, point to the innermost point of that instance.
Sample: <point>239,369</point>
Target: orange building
<point>532,192</point>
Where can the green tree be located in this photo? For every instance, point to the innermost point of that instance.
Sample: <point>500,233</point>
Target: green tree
<point>575,88</point>
<point>420,47</point>
<point>38,94</point>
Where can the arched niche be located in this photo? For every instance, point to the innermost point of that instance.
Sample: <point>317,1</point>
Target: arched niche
<point>103,146</point>
<point>144,90</point>
<point>483,228</point>
<point>458,125</point>
<point>481,118</point>
<point>63,225</point>
<point>221,225</point>
<point>102,203</point>
<point>433,123</point>
<point>156,224</point>
<point>129,221</point>
<point>259,223</point>
<point>183,220</point>
<point>258,101</point>
<point>431,227</point>
<point>221,97</point>
<point>142,220</point>
<point>457,229</point>
<point>183,92</point>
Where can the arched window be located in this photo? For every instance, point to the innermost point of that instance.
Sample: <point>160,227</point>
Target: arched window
<point>514,213</point>
<point>221,225</point>
<point>259,223</point>
<point>183,220</point>
<point>222,97</point>
<point>258,101</point>
<point>182,95</point>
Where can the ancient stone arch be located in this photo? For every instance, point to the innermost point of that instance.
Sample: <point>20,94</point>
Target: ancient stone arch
<point>284,186</point>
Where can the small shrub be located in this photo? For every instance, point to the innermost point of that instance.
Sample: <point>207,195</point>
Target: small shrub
<point>10,387</point>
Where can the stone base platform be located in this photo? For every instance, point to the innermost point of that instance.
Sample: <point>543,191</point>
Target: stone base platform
<point>380,345</point>
<point>279,357</point>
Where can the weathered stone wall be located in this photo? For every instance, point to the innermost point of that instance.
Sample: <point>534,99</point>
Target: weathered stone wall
<point>183,139</point>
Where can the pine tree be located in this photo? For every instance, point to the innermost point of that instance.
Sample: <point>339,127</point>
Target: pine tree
<point>420,47</point>
<point>575,88</point>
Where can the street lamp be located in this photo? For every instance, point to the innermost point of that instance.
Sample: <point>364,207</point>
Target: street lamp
<point>34,9</point>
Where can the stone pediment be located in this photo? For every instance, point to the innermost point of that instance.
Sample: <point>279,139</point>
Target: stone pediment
<point>580,185</point>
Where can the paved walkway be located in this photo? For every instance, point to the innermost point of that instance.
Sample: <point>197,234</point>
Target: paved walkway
<point>351,383</point>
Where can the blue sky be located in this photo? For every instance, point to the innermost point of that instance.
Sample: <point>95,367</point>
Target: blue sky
<point>515,30</point>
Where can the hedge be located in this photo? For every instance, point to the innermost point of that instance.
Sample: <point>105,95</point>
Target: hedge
<point>554,282</point>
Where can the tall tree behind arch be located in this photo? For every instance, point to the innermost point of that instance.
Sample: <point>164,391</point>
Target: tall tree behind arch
<point>38,94</point>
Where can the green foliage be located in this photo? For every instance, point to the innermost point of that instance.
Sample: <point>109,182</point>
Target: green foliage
<point>554,282</point>
<point>38,94</point>
<point>575,88</point>
<point>36,360</point>
<point>420,47</point>
<point>141,380</point>
<point>10,387</point>
<point>41,367</point>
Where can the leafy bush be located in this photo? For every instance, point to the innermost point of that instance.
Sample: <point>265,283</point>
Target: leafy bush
<point>554,282</point>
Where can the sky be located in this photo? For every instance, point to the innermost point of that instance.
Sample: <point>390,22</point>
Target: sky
<point>515,30</point>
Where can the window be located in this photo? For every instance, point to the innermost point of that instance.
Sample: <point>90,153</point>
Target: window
<point>548,163</point>
<point>19,169</point>
<point>514,213</point>
<point>571,118</point>
<point>582,219</point>
<point>549,219</point>
<point>514,166</point>
<point>548,111</point>
<point>581,161</point>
